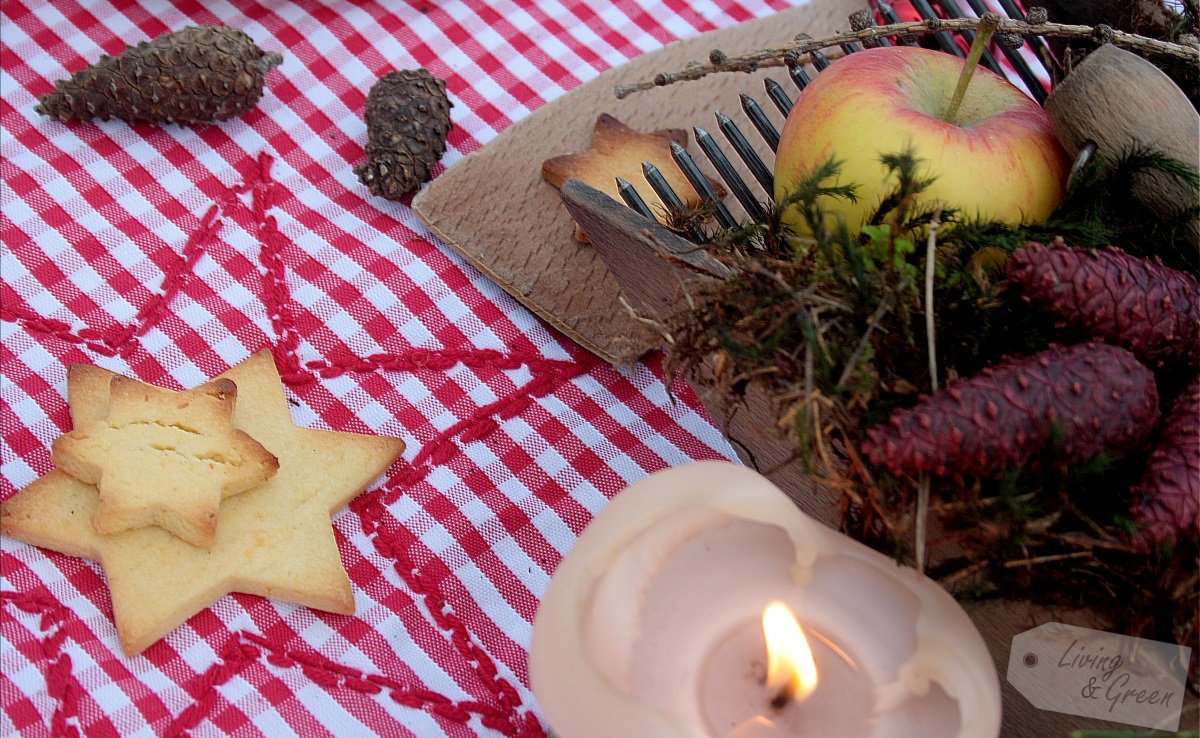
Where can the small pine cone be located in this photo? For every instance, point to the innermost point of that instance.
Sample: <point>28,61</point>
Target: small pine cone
<point>1168,498</point>
<point>199,74</point>
<point>408,119</point>
<point>1150,309</point>
<point>1084,399</point>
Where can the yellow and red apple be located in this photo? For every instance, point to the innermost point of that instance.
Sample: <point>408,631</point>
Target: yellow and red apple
<point>999,159</point>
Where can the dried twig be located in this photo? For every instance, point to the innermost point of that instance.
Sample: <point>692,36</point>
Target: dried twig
<point>655,325</point>
<point>1085,542</point>
<point>958,506</point>
<point>815,410</point>
<point>857,463</point>
<point>1047,559</point>
<point>884,306</point>
<point>931,345</point>
<point>930,271</point>
<point>966,572</point>
<point>792,53</point>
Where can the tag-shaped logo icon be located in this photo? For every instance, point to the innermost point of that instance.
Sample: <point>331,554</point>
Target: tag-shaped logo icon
<point>1091,673</point>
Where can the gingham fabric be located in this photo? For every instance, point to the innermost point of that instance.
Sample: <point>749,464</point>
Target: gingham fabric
<point>170,254</point>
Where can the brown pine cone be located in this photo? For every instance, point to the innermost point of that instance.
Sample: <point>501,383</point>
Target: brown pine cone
<point>1083,399</point>
<point>199,74</point>
<point>1150,309</point>
<point>1168,498</point>
<point>408,119</point>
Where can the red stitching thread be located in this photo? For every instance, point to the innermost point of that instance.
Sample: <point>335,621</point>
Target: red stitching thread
<point>245,648</point>
<point>509,719</point>
<point>61,683</point>
<point>547,375</point>
<point>156,307</point>
<point>118,338</point>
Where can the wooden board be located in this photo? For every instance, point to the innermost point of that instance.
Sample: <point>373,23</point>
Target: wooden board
<point>494,208</point>
<point>649,263</point>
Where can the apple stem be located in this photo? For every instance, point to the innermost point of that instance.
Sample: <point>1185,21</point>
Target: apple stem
<point>987,26</point>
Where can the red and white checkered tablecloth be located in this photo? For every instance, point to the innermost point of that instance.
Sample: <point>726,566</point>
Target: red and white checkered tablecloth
<point>170,254</point>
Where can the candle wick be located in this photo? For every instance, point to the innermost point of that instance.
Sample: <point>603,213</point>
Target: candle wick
<point>781,699</point>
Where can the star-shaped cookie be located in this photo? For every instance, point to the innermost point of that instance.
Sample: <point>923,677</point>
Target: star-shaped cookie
<point>275,540</point>
<point>618,151</point>
<point>164,458</point>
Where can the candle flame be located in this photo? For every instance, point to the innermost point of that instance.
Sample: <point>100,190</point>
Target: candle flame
<point>791,670</point>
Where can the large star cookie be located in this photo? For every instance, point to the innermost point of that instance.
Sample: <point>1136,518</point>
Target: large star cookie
<point>164,458</point>
<point>618,151</point>
<point>275,540</point>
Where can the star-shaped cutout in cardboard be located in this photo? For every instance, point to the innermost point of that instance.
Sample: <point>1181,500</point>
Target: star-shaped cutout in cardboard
<point>275,540</point>
<point>164,458</point>
<point>618,151</point>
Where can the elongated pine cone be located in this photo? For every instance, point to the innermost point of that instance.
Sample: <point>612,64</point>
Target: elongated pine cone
<point>408,119</point>
<point>199,74</point>
<point>1085,399</point>
<point>1168,498</point>
<point>1150,309</point>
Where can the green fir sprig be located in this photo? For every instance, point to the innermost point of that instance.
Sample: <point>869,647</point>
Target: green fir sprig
<point>832,323</point>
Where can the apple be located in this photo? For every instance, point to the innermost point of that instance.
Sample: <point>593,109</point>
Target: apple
<point>998,160</point>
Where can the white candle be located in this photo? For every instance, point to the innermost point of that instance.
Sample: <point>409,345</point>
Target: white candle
<point>652,624</point>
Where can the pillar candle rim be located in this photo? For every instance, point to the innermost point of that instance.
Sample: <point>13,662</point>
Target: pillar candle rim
<point>952,654</point>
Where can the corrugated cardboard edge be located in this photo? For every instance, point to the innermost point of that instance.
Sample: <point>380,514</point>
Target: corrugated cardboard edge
<point>494,209</point>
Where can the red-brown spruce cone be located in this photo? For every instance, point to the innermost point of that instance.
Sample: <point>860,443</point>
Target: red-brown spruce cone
<point>1168,498</point>
<point>408,119</point>
<point>1084,399</point>
<point>1150,309</point>
<point>199,74</point>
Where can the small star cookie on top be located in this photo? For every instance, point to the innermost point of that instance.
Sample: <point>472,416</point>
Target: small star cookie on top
<point>619,151</point>
<point>164,458</point>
